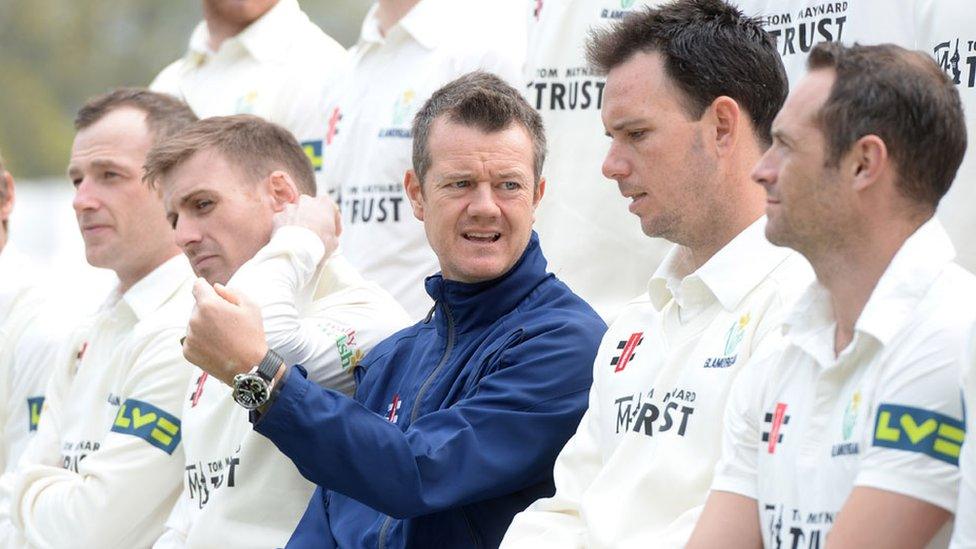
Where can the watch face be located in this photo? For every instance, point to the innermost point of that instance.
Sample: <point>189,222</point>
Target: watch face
<point>250,391</point>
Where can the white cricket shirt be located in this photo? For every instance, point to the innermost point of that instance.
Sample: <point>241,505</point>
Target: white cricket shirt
<point>964,536</point>
<point>238,489</point>
<point>368,143</point>
<point>946,30</point>
<point>804,426</point>
<point>638,469</point>
<point>279,68</point>
<point>24,359</point>
<point>798,25</point>
<point>591,242</point>
<point>105,466</point>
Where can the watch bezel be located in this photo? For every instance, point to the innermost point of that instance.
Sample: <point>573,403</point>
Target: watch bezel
<point>253,397</point>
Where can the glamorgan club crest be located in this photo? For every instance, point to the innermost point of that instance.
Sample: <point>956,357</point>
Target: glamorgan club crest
<point>403,107</point>
<point>850,415</point>
<point>735,335</point>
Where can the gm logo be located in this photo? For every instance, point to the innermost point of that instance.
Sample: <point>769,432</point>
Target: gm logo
<point>313,150</point>
<point>918,430</point>
<point>149,423</point>
<point>34,406</point>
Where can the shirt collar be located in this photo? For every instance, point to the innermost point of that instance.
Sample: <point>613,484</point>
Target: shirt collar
<point>728,276</point>
<point>13,275</point>
<point>148,294</point>
<point>903,284</point>
<point>425,23</point>
<point>262,38</point>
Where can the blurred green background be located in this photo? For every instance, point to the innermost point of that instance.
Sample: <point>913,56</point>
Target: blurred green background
<point>56,53</point>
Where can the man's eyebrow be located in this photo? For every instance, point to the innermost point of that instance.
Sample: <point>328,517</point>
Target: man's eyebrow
<point>106,163</point>
<point>626,122</point>
<point>190,196</point>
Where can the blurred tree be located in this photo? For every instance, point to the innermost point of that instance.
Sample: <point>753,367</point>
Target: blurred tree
<point>56,53</point>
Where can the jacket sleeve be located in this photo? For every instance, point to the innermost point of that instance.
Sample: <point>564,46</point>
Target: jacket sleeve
<point>127,479</point>
<point>329,334</point>
<point>502,436</point>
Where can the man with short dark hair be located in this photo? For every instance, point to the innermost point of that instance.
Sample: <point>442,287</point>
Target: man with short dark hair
<point>105,465</point>
<point>692,87</point>
<point>238,191</point>
<point>457,419</point>
<point>851,431</point>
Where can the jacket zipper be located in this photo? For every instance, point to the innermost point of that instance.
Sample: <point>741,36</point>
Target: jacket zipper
<point>381,540</point>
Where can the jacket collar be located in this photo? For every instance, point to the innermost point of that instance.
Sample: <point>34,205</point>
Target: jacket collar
<point>474,306</point>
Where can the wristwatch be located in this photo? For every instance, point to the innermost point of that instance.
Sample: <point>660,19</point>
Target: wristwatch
<point>253,389</point>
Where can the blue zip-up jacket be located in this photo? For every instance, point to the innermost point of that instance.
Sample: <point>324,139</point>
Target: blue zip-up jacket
<point>457,420</point>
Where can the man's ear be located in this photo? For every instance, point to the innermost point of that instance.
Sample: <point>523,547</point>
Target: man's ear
<point>282,189</point>
<point>539,191</point>
<point>726,115</point>
<point>415,192</point>
<point>8,194</point>
<point>866,161</point>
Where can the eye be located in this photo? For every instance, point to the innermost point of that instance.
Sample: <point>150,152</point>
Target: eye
<point>463,184</point>
<point>75,181</point>
<point>636,135</point>
<point>511,186</point>
<point>203,204</point>
<point>110,175</point>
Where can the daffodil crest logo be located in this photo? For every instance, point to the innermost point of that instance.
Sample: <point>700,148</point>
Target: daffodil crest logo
<point>850,414</point>
<point>736,333</point>
<point>245,103</point>
<point>403,107</point>
<point>626,4</point>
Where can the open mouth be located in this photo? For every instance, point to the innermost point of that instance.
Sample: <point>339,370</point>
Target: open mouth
<point>486,237</point>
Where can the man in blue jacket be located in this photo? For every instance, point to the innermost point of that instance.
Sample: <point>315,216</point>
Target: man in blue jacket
<point>457,420</point>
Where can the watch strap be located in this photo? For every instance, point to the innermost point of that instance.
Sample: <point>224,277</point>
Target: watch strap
<point>269,365</point>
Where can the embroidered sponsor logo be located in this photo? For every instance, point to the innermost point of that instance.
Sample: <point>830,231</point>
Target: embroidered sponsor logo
<point>393,409</point>
<point>797,32</point>
<point>627,348</point>
<point>333,127</point>
<point>776,420</point>
<point>639,413</point>
<point>349,354</point>
<point>204,477</point>
<point>566,89</point>
<point>794,528</point>
<point>34,407</point>
<point>72,453</point>
<point>313,150</point>
<point>143,420</point>
<point>917,430</point>
<point>949,55</point>
<point>372,203</point>
<point>198,390</point>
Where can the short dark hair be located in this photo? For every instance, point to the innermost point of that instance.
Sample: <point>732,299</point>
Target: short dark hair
<point>710,49</point>
<point>481,100</point>
<point>165,114</point>
<point>904,98</point>
<point>253,145</point>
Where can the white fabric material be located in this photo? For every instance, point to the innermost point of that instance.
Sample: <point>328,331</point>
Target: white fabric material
<point>804,426</point>
<point>798,25</point>
<point>105,465</point>
<point>638,469</point>
<point>964,536</point>
<point>591,242</point>
<point>279,68</point>
<point>239,490</point>
<point>26,355</point>
<point>368,143</point>
<point>945,31</point>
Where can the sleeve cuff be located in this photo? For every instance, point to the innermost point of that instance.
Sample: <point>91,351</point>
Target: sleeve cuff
<point>735,485</point>
<point>255,416</point>
<point>913,486</point>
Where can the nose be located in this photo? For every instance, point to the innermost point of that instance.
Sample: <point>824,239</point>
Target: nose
<point>86,197</point>
<point>765,170</point>
<point>482,204</point>
<point>615,166</point>
<point>187,233</point>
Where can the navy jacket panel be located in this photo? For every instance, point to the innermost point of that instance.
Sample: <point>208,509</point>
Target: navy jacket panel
<point>457,420</point>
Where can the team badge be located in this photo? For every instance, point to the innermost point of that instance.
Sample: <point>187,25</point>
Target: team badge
<point>393,409</point>
<point>776,420</point>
